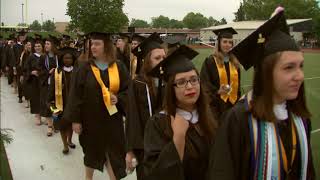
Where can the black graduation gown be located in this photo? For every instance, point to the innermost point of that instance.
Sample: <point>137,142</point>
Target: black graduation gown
<point>32,64</point>
<point>24,88</point>
<point>125,59</point>
<point>230,156</point>
<point>9,60</point>
<point>44,84</point>
<point>210,79</point>
<point>137,117</point>
<point>161,159</point>
<point>66,80</point>
<point>102,134</point>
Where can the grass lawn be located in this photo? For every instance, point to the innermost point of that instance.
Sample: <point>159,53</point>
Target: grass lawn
<point>312,85</point>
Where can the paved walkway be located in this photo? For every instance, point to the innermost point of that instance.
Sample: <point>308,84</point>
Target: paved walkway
<point>34,156</point>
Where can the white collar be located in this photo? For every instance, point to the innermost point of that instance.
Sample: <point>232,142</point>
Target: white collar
<point>280,111</point>
<point>68,69</point>
<point>36,54</point>
<point>192,117</point>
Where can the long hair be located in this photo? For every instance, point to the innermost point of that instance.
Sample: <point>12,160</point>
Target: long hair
<point>218,55</point>
<point>109,50</point>
<point>54,49</point>
<point>146,68</point>
<point>261,105</point>
<point>207,122</point>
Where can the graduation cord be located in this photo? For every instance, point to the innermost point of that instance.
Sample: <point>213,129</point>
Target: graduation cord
<point>149,100</point>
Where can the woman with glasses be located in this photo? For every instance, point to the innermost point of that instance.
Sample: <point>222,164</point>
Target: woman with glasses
<point>177,139</point>
<point>220,73</point>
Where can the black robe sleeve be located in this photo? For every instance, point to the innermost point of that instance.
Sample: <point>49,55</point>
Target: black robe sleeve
<point>72,112</point>
<point>134,132</point>
<point>229,156</point>
<point>123,94</point>
<point>209,77</point>
<point>51,93</point>
<point>43,74</point>
<point>161,158</point>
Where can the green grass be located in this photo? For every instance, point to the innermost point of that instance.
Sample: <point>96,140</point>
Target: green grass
<point>311,69</point>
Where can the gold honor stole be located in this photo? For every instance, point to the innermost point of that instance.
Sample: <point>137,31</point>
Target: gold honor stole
<point>234,84</point>
<point>58,90</point>
<point>114,81</point>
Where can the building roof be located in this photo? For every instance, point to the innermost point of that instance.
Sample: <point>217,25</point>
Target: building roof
<point>250,25</point>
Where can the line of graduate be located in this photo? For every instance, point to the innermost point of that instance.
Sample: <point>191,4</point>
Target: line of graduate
<point>146,107</point>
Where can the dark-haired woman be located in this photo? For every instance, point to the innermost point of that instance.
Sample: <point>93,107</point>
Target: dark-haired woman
<point>220,73</point>
<point>143,100</point>
<point>48,62</point>
<point>177,139</point>
<point>96,106</point>
<point>266,135</point>
<point>58,95</point>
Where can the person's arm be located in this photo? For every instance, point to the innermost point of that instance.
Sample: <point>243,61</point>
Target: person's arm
<point>161,158</point>
<point>122,95</point>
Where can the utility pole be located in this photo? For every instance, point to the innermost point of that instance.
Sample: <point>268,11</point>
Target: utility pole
<point>22,14</point>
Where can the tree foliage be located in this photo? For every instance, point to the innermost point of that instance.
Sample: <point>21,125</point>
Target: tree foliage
<point>139,23</point>
<point>195,20</point>
<point>160,22</point>
<point>295,9</point>
<point>97,15</point>
<point>35,26</point>
<point>48,26</point>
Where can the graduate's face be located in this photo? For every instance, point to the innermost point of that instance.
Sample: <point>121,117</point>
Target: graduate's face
<point>48,46</point>
<point>226,44</point>
<point>38,48</point>
<point>28,46</point>
<point>188,94</point>
<point>156,56</point>
<point>134,44</point>
<point>288,76</point>
<point>97,48</point>
<point>67,60</point>
<point>120,43</point>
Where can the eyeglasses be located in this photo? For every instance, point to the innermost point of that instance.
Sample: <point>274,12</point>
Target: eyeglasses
<point>181,83</point>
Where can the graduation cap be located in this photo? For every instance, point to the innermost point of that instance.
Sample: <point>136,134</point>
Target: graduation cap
<point>137,37</point>
<point>173,42</point>
<point>152,42</point>
<point>53,40</point>
<point>271,37</point>
<point>67,50</point>
<point>22,32</point>
<point>177,62</point>
<point>225,32</point>
<point>12,36</point>
<point>66,36</point>
<point>37,36</point>
<point>30,39</point>
<point>99,35</point>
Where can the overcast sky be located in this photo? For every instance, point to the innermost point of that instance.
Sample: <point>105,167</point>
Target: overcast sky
<point>138,9</point>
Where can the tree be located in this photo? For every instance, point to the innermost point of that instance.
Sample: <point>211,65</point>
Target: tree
<point>139,23</point>
<point>160,22</point>
<point>35,26</point>
<point>212,22</point>
<point>240,14</point>
<point>223,21</point>
<point>195,21</point>
<point>22,24</point>
<point>48,26</point>
<point>262,9</point>
<point>97,15</point>
<point>176,24</point>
